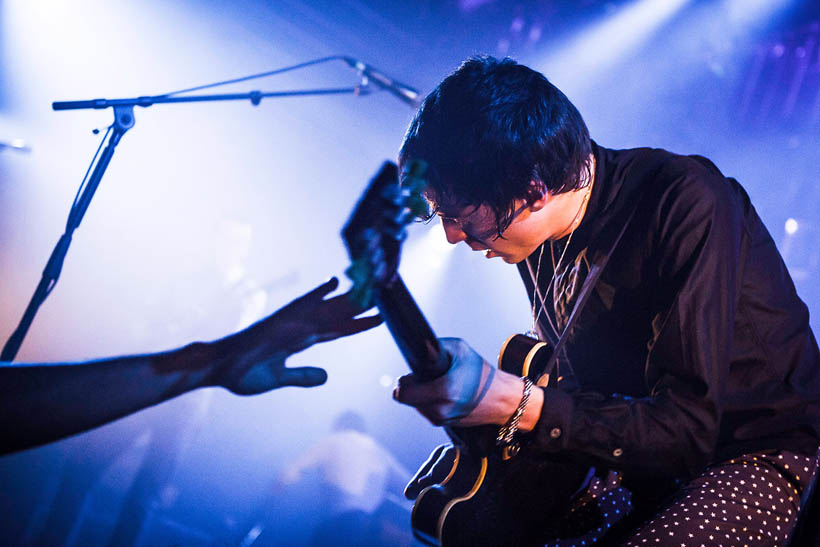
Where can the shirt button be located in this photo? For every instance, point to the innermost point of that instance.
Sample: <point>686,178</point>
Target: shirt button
<point>555,432</point>
<point>617,452</point>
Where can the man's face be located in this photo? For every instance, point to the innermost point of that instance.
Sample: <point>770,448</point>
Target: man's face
<point>476,226</point>
<point>545,217</point>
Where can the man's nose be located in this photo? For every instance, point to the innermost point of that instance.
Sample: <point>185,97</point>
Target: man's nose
<point>453,231</point>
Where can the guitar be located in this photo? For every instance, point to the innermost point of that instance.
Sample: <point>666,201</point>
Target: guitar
<point>491,496</point>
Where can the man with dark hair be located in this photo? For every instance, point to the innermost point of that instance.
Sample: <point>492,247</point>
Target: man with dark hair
<point>691,368</point>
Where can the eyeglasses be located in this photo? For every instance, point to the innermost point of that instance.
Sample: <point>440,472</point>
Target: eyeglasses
<point>464,224</point>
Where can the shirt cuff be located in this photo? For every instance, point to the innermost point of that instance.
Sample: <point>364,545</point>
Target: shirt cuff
<point>552,430</point>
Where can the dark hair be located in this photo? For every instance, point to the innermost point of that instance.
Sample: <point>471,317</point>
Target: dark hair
<point>491,127</point>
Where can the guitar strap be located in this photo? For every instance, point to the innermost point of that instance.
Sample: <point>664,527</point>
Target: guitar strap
<point>598,264</point>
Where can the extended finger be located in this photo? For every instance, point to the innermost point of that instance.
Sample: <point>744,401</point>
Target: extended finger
<point>344,327</point>
<point>316,294</point>
<point>353,326</point>
<point>421,479</point>
<point>324,289</point>
<point>346,305</point>
<point>303,376</point>
<point>444,464</point>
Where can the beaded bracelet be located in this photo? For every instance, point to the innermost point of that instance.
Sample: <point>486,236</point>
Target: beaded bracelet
<point>508,430</point>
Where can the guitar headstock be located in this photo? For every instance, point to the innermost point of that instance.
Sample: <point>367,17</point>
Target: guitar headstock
<point>377,227</point>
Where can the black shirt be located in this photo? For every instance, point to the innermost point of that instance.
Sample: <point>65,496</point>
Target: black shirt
<point>694,346</point>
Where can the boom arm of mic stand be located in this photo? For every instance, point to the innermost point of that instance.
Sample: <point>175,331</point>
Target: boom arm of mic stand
<point>255,97</point>
<point>123,121</point>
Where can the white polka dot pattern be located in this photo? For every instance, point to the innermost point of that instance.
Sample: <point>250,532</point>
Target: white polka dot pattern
<point>748,501</point>
<point>752,500</point>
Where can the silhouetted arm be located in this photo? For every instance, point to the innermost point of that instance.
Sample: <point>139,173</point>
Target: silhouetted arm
<point>40,403</point>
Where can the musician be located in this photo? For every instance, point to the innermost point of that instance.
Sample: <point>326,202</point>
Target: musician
<point>691,370</point>
<point>43,402</point>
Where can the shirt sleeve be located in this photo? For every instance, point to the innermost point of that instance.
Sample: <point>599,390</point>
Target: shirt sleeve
<point>695,235</point>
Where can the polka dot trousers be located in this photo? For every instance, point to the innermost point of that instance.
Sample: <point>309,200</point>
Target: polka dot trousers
<point>752,500</point>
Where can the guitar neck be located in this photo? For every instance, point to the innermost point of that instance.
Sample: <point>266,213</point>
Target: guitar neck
<point>411,331</point>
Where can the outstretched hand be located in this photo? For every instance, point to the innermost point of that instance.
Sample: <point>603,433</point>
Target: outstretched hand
<point>253,360</point>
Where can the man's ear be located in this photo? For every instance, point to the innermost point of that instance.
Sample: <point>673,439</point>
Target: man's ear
<point>537,195</point>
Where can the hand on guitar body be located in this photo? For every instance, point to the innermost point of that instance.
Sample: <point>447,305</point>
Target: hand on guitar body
<point>472,392</point>
<point>433,471</point>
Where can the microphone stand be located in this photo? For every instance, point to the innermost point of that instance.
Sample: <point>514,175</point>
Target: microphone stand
<point>123,121</point>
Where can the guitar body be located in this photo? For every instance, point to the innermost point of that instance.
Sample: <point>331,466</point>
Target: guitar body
<point>491,501</point>
<point>490,497</point>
